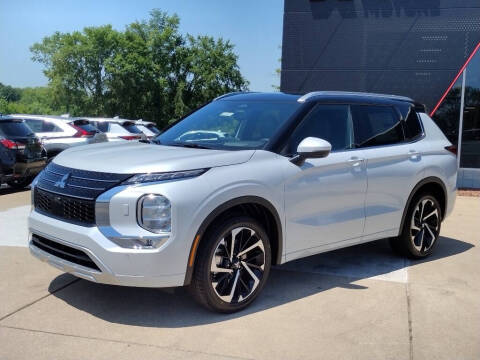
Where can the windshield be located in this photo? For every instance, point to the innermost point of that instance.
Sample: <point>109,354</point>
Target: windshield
<point>230,124</point>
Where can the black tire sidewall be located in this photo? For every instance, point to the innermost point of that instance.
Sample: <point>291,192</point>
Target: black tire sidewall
<point>406,227</point>
<point>206,254</point>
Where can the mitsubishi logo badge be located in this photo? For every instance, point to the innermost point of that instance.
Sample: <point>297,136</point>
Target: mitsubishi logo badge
<point>62,182</point>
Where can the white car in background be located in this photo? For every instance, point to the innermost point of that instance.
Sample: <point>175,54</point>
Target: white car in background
<point>59,133</point>
<point>148,128</point>
<point>117,129</point>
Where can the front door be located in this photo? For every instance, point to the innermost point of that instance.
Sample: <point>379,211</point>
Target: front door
<point>324,198</point>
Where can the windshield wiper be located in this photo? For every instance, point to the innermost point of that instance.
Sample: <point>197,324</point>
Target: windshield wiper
<point>190,145</point>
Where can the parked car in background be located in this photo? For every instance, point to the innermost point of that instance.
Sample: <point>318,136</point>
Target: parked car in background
<point>117,129</point>
<point>248,181</point>
<point>30,155</point>
<point>7,160</point>
<point>149,128</point>
<point>59,133</point>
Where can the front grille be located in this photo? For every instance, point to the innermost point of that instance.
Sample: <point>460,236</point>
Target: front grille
<point>69,194</point>
<point>64,252</point>
<point>78,183</point>
<point>79,211</point>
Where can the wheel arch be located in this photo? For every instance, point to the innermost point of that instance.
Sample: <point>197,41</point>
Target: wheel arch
<point>433,185</point>
<point>254,206</point>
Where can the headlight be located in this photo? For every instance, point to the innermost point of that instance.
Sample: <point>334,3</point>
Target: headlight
<point>154,213</point>
<point>142,178</point>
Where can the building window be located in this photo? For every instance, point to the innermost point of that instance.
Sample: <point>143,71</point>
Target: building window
<point>470,149</point>
<point>447,115</point>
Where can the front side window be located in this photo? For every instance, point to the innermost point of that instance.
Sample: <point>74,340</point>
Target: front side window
<point>330,122</point>
<point>376,125</point>
<point>230,124</point>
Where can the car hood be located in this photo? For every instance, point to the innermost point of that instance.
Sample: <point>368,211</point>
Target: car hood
<point>130,157</point>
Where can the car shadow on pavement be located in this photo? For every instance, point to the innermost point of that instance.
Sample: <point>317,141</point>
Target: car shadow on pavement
<point>174,307</point>
<point>11,190</point>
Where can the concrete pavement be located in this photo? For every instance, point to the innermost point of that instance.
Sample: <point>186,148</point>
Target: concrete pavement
<point>356,303</point>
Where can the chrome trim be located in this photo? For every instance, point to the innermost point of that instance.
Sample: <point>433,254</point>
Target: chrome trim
<point>309,95</point>
<point>102,218</point>
<point>80,177</point>
<point>71,196</point>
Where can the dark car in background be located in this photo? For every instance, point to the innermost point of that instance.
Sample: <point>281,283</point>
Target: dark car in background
<point>7,160</point>
<point>30,154</point>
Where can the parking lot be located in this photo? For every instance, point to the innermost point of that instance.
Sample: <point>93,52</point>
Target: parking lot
<point>356,303</point>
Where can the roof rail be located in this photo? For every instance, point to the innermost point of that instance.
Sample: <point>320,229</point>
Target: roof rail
<point>231,94</point>
<point>312,94</point>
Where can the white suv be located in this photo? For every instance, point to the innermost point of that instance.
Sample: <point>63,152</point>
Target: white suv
<point>274,178</point>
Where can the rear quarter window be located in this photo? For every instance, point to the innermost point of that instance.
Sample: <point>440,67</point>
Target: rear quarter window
<point>413,129</point>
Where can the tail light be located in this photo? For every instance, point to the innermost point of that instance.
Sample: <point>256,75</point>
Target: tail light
<point>9,144</point>
<point>452,148</point>
<point>81,132</point>
<point>131,137</point>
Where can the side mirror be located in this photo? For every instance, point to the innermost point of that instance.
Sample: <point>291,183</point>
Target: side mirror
<point>311,147</point>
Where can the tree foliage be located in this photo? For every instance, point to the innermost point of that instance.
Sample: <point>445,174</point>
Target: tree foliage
<point>30,100</point>
<point>150,70</point>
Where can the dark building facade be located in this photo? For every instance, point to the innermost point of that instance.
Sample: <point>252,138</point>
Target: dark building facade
<point>424,49</point>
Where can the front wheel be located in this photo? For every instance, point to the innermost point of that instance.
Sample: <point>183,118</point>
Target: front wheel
<point>421,228</point>
<point>233,263</point>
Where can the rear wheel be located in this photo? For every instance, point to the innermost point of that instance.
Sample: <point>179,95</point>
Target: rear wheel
<point>233,264</point>
<point>421,228</point>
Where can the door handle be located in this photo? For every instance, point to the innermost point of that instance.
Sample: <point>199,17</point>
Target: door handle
<point>414,154</point>
<point>355,161</point>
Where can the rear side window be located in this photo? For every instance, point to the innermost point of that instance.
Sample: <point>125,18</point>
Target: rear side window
<point>15,128</point>
<point>39,126</point>
<point>413,129</point>
<point>85,125</point>
<point>131,127</point>
<point>376,125</point>
<point>326,121</point>
<point>101,125</point>
<point>153,128</point>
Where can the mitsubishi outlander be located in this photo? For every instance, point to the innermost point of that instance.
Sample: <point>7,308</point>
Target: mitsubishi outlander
<point>247,181</point>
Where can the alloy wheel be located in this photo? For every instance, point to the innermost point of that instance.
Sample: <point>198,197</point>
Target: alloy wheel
<point>425,225</point>
<point>238,265</point>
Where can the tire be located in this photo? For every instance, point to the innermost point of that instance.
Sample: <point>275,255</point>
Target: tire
<point>242,276</point>
<point>21,183</point>
<point>421,228</point>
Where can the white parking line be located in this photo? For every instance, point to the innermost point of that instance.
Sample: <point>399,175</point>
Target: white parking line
<point>14,226</point>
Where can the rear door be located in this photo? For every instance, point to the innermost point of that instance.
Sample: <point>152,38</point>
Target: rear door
<point>394,165</point>
<point>324,198</point>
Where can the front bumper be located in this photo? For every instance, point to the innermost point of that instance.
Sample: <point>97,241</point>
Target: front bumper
<point>118,266</point>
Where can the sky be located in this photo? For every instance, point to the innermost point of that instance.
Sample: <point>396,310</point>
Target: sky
<point>253,26</point>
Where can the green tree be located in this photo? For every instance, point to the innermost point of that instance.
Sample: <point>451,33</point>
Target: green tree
<point>9,93</point>
<point>149,70</point>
